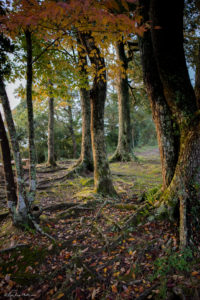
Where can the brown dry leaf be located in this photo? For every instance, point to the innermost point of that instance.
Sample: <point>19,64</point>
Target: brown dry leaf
<point>195,273</point>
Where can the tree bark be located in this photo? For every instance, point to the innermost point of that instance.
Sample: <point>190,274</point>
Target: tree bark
<point>51,155</point>
<point>71,129</point>
<point>86,146</point>
<point>8,173</point>
<point>86,159</point>
<point>166,127</point>
<point>197,77</point>
<point>102,174</point>
<point>21,215</point>
<point>32,151</point>
<point>180,97</point>
<point>125,144</point>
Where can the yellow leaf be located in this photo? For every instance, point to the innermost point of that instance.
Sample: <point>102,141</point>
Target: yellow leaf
<point>105,270</point>
<point>60,295</point>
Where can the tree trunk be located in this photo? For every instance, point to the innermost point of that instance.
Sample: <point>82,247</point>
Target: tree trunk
<point>167,39</point>
<point>21,216</point>
<point>86,146</point>
<point>197,77</point>
<point>51,156</point>
<point>86,159</point>
<point>102,174</point>
<point>125,145</point>
<point>8,173</point>
<point>166,127</point>
<point>71,129</point>
<point>32,152</point>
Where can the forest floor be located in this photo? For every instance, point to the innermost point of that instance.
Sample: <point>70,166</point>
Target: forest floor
<point>103,248</point>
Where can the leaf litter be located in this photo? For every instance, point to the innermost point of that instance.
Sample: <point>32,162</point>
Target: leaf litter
<point>97,254</point>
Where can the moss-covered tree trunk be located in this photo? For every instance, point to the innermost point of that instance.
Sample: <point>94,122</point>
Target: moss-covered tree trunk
<point>51,154</point>
<point>8,173</point>
<point>102,174</point>
<point>125,144</point>
<point>22,209</point>
<point>32,151</point>
<point>166,127</point>
<point>167,40</point>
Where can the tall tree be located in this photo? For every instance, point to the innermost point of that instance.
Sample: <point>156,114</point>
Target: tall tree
<point>86,160</point>
<point>167,130</point>
<point>180,98</point>
<point>29,83</point>
<point>102,174</point>
<point>125,143</point>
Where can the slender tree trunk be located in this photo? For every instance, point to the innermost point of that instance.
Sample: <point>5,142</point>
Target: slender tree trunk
<point>71,129</point>
<point>197,77</point>
<point>22,203</point>
<point>86,159</point>
<point>32,151</point>
<point>8,173</point>
<point>102,174</point>
<point>86,145</point>
<point>166,127</point>
<point>180,97</point>
<point>51,155</point>
<point>125,145</point>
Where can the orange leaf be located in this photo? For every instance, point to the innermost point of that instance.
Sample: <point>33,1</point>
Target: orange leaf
<point>114,288</point>
<point>195,273</point>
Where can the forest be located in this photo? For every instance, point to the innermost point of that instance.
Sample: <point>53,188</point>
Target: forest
<point>100,158</point>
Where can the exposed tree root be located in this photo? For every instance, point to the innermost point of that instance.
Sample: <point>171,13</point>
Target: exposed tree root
<point>79,168</point>
<point>39,229</point>
<point>123,157</point>
<point>59,206</point>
